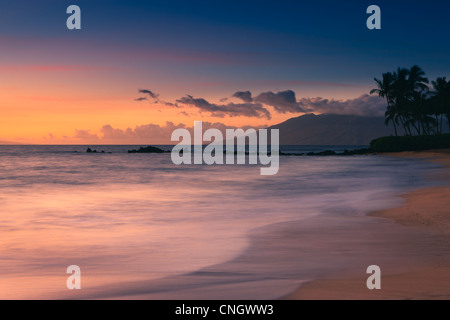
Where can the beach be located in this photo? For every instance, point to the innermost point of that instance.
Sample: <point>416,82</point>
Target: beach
<point>326,256</point>
<point>136,232</point>
<point>421,274</point>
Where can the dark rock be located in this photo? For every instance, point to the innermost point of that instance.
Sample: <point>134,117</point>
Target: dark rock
<point>332,153</point>
<point>89,150</point>
<point>323,153</point>
<point>148,149</point>
<point>356,152</point>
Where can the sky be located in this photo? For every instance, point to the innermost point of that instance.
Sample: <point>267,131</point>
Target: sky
<point>139,69</point>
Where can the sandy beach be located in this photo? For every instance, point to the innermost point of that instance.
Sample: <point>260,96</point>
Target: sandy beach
<point>312,239</point>
<point>325,256</point>
<point>426,215</point>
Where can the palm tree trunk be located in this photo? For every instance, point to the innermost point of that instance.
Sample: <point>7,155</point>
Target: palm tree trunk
<point>437,123</point>
<point>418,128</point>
<point>405,125</point>
<point>448,120</point>
<point>424,129</point>
<point>393,116</point>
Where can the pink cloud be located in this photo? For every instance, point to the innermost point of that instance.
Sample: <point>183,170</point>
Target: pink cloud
<point>85,136</point>
<point>144,134</point>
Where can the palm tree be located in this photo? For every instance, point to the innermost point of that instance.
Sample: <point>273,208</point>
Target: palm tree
<point>410,102</point>
<point>384,90</point>
<point>417,80</point>
<point>442,97</point>
<point>400,92</point>
<point>435,109</point>
<point>420,118</point>
<point>410,92</point>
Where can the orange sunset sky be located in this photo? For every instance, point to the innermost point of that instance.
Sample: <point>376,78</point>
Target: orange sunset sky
<point>45,102</point>
<point>256,66</point>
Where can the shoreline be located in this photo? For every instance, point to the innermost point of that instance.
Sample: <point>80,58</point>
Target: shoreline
<point>332,250</point>
<point>426,214</point>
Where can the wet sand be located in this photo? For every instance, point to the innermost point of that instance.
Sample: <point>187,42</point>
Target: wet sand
<point>282,257</point>
<point>426,214</point>
<point>324,257</point>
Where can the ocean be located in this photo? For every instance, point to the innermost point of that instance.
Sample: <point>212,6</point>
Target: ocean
<point>128,219</point>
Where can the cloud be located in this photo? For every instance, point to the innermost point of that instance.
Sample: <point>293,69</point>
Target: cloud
<point>141,99</point>
<point>364,105</point>
<point>145,134</point>
<point>283,101</point>
<point>230,109</point>
<point>85,135</point>
<point>170,104</point>
<point>286,102</point>
<point>184,113</point>
<point>245,96</point>
<point>150,93</point>
<point>140,133</point>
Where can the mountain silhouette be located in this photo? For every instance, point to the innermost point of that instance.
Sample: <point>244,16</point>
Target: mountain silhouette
<point>332,129</point>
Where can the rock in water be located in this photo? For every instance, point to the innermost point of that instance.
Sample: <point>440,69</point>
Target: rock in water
<point>148,149</point>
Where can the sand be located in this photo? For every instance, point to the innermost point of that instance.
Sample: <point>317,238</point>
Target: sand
<point>324,257</point>
<point>426,213</point>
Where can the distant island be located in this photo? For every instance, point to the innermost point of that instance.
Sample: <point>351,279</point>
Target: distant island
<point>332,129</point>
